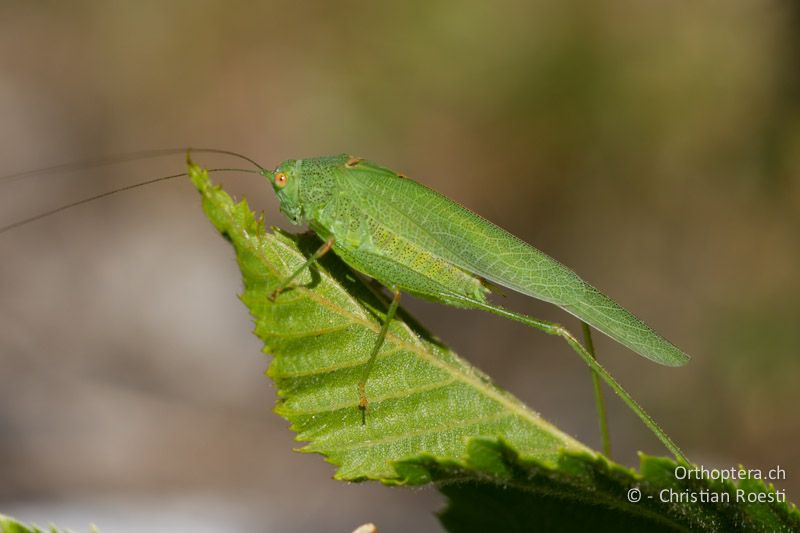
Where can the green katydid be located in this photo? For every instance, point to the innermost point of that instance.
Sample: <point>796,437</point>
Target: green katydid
<point>412,239</point>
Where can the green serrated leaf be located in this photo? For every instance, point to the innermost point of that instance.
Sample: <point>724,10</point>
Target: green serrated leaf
<point>433,417</point>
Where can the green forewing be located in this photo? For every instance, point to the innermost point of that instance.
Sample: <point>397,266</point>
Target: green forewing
<point>474,244</point>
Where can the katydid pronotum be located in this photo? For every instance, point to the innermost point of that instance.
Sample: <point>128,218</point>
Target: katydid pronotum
<point>414,240</point>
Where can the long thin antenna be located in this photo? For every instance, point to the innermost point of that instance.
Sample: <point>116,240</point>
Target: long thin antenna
<point>46,214</point>
<point>122,158</point>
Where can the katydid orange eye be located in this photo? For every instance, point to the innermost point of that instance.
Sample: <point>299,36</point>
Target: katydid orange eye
<point>280,179</point>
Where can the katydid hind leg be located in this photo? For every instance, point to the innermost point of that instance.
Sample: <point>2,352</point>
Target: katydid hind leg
<point>362,384</point>
<point>560,331</point>
<point>599,401</point>
<point>322,250</point>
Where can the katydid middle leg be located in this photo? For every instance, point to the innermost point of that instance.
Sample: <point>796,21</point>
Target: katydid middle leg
<point>362,384</point>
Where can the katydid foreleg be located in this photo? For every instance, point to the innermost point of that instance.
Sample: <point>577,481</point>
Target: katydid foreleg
<point>322,250</point>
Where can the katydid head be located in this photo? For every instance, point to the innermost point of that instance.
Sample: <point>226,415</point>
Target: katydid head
<point>285,181</point>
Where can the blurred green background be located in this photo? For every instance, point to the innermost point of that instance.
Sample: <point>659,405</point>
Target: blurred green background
<point>654,147</point>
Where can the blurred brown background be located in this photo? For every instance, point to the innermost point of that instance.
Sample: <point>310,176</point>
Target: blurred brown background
<point>651,146</point>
